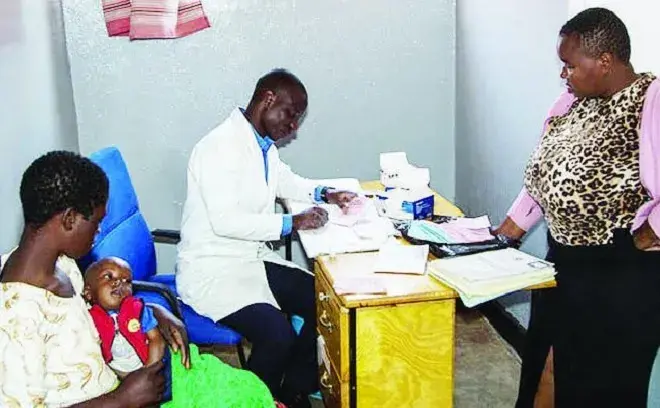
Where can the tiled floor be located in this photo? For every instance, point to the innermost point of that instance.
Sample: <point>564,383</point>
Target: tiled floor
<point>487,368</point>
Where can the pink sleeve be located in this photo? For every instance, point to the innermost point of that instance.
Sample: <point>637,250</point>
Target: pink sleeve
<point>649,157</point>
<point>525,211</point>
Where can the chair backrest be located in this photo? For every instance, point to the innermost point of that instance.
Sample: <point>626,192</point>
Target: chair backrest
<point>123,232</point>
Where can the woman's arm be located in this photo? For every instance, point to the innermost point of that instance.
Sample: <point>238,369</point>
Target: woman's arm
<point>510,229</point>
<point>110,400</point>
<point>646,225</point>
<point>140,388</point>
<point>173,331</point>
<point>524,213</point>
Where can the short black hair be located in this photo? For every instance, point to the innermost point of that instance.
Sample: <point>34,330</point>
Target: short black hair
<point>275,80</point>
<point>60,180</point>
<point>95,267</point>
<point>600,31</point>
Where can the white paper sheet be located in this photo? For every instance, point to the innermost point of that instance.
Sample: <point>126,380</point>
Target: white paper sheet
<point>367,234</point>
<point>395,257</point>
<point>482,277</point>
<point>491,265</point>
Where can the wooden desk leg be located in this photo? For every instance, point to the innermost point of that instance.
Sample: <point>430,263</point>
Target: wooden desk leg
<point>405,355</point>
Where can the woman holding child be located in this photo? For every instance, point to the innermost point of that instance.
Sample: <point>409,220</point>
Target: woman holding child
<point>49,348</point>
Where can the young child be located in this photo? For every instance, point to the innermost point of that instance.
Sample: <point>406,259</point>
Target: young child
<point>128,330</point>
<point>130,339</point>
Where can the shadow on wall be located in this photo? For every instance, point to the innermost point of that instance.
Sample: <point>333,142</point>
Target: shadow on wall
<point>64,103</point>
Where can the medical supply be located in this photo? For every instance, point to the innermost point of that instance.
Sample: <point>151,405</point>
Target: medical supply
<point>402,204</point>
<point>397,172</point>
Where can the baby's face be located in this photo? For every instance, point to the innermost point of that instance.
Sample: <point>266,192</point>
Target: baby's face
<point>109,284</point>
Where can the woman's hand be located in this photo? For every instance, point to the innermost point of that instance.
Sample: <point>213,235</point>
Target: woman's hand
<point>143,387</point>
<point>174,332</point>
<point>509,229</point>
<point>645,238</point>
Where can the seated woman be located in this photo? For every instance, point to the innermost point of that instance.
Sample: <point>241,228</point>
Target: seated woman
<point>49,348</point>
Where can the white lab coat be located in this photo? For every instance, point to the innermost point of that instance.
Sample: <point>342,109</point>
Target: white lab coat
<point>228,217</point>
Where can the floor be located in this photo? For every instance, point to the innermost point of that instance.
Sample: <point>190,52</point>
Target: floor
<point>487,368</point>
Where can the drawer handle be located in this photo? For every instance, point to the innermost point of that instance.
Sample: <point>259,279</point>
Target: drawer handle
<point>323,297</point>
<point>323,319</point>
<point>325,381</point>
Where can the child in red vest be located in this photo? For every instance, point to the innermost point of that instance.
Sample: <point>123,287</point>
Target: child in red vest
<point>127,327</point>
<point>130,339</point>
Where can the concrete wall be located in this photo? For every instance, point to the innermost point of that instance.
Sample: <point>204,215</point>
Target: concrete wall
<point>380,75</point>
<point>507,77</point>
<point>36,100</point>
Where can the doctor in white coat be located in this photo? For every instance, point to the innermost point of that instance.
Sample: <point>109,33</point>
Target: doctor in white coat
<point>225,268</point>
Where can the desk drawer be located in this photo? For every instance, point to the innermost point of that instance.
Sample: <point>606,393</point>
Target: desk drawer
<point>334,391</point>
<point>332,324</point>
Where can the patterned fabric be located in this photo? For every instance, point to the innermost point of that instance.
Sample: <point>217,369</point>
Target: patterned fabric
<point>149,19</point>
<point>50,356</point>
<point>585,172</point>
<point>49,348</point>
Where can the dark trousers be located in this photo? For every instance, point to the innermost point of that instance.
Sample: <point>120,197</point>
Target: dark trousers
<point>286,362</point>
<point>603,322</point>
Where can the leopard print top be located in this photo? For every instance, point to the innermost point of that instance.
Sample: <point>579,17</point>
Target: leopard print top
<point>585,172</point>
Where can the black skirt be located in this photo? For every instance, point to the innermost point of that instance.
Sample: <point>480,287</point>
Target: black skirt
<point>603,323</point>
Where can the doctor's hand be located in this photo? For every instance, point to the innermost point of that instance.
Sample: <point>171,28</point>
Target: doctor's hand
<point>340,198</point>
<point>311,218</point>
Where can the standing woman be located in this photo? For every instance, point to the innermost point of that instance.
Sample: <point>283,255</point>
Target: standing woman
<point>595,179</point>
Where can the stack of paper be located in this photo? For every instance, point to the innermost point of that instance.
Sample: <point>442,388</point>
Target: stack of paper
<point>395,257</point>
<point>460,230</point>
<point>485,276</point>
<point>362,229</point>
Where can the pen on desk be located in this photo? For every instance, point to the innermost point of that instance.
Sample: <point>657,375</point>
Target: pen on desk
<point>374,195</point>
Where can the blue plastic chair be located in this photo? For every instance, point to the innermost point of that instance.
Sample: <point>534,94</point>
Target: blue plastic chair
<point>124,233</point>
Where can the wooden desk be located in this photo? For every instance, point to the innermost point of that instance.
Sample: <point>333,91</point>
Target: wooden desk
<point>394,350</point>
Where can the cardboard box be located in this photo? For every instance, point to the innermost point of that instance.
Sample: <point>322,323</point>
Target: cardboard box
<point>419,205</point>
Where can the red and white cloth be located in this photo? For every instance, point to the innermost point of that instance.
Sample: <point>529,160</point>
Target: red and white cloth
<point>152,19</point>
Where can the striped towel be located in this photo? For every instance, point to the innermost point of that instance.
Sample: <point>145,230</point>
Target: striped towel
<point>151,19</point>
